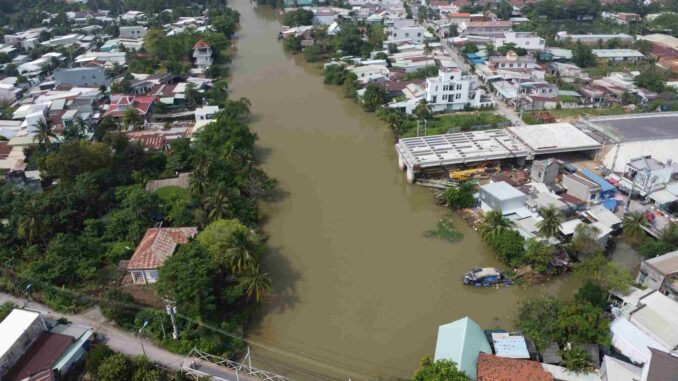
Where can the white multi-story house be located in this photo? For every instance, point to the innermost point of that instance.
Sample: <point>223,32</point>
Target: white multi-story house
<point>133,31</point>
<point>526,40</point>
<point>414,34</point>
<point>202,52</point>
<point>451,91</point>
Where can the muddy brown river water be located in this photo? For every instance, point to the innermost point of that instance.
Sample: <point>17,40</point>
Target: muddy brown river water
<point>359,291</point>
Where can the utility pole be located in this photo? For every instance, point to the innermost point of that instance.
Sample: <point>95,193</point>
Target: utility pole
<point>171,311</point>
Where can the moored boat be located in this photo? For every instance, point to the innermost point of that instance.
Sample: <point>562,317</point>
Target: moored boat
<point>485,276</point>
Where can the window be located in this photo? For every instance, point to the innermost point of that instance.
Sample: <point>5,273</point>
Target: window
<point>407,35</point>
<point>593,196</point>
<point>444,97</point>
<point>138,276</point>
<point>459,86</point>
<point>458,96</point>
<point>418,34</point>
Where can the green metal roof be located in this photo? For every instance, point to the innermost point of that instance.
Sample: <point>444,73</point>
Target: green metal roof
<point>461,341</point>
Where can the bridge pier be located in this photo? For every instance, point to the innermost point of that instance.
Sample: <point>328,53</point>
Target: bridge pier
<point>410,175</point>
<point>401,162</point>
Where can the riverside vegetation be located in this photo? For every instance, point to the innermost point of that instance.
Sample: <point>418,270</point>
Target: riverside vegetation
<point>63,245</point>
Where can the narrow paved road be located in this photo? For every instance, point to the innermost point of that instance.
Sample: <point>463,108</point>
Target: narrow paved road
<point>124,342</point>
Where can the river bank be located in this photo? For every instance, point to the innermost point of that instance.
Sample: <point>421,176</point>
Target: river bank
<point>359,290</point>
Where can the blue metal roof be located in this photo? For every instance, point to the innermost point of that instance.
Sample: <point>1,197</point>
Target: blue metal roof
<point>604,185</point>
<point>610,203</point>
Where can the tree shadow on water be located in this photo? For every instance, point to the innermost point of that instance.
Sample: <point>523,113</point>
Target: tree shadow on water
<point>285,279</point>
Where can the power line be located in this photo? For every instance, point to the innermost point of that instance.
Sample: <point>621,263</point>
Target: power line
<point>313,359</point>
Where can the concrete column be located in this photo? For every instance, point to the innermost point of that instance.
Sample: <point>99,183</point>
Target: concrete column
<point>401,162</point>
<point>410,175</point>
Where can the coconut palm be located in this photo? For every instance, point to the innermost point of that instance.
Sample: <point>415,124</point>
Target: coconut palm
<point>217,204</point>
<point>256,284</point>
<point>395,121</point>
<point>43,134</point>
<point>552,217</point>
<point>242,253</point>
<point>494,223</point>
<point>31,224</point>
<point>199,180</point>
<point>633,226</point>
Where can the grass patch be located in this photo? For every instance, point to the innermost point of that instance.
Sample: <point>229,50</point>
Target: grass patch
<point>604,68</point>
<point>445,230</point>
<point>531,117</point>
<point>441,124</point>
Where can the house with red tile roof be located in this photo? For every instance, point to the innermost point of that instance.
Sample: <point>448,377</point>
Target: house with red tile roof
<point>157,245</point>
<point>120,103</point>
<point>495,368</point>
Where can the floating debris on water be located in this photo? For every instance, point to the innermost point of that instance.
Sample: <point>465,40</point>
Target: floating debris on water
<point>445,230</point>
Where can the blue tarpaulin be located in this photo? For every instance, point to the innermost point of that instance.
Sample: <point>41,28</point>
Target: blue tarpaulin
<point>604,185</point>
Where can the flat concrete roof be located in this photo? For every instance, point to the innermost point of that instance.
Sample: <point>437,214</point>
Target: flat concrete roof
<point>554,138</point>
<point>13,326</point>
<point>459,148</point>
<point>651,126</point>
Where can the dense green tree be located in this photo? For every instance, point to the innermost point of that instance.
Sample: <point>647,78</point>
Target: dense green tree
<point>186,277</point>
<point>582,55</point>
<point>585,240</point>
<point>503,10</point>
<point>576,360</point>
<point>115,368</point>
<point>334,74</point>
<point>298,17</point>
<point>350,40</point>
<point>460,197</point>
<point>132,119</point>
<point>5,309</point>
<point>441,370</point>
<point>651,248</point>
<point>75,158</point>
<point>470,48</point>
<point>583,323</point>
<point>537,318</point>
<point>119,308</point>
<point>538,254</point>
<point>592,293</point>
<point>232,245</point>
<point>374,96</point>
<point>653,79</point>
<point>607,275</point>
<point>96,356</point>
<point>508,245</point>
<point>422,111</point>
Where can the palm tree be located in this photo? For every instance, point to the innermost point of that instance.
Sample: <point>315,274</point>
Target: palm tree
<point>256,284</point>
<point>552,217</point>
<point>422,112</point>
<point>395,121</point>
<point>494,223</point>
<point>242,256</point>
<point>633,226</point>
<point>427,51</point>
<point>217,204</point>
<point>199,179</point>
<point>31,222</point>
<point>43,134</point>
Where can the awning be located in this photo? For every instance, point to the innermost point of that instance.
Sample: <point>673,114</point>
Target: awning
<point>610,204</point>
<point>663,197</point>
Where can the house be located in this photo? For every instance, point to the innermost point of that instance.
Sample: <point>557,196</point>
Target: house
<point>527,40</point>
<point>568,228</point>
<point>495,368</point>
<point>206,113</point>
<point>510,66</point>
<point>485,28</point>
<point>9,93</point>
<point>132,32</point>
<point>370,73</point>
<point>103,57</point>
<point>32,350</point>
<point>501,196</point>
<point>616,370</point>
<point>662,367</point>
<point>133,16</point>
<point>618,55</point>
<point>414,34</point>
<point>450,90</point>
<point>622,18</point>
<point>593,39</point>
<point>202,52</point>
<point>82,76</point>
<point>657,316</point>
<point>545,171</point>
<point>462,341</point>
<point>121,103</point>
<point>581,187</point>
<point>10,128</point>
<point>632,342</point>
<point>155,247</point>
<point>509,346</point>
<point>660,273</point>
<point>565,70</point>
<point>645,175</point>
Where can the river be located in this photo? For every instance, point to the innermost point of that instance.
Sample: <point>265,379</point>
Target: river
<point>359,291</point>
